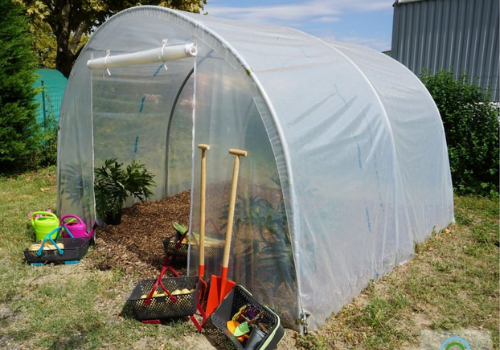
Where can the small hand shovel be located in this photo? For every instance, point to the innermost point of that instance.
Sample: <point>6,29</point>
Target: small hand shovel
<point>243,328</point>
<point>234,328</point>
<point>221,286</point>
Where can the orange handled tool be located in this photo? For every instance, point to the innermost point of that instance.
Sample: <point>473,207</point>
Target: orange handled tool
<point>221,286</point>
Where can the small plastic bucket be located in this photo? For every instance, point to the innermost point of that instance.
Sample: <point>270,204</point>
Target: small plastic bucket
<point>44,224</point>
<point>75,225</point>
<point>256,337</point>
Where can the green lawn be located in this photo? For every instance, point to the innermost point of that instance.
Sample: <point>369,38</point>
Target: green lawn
<point>62,306</point>
<point>452,283</point>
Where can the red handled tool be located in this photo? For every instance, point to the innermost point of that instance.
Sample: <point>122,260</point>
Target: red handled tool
<point>221,286</point>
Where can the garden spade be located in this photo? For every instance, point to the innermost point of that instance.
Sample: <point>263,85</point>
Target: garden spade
<point>221,286</point>
<point>201,271</point>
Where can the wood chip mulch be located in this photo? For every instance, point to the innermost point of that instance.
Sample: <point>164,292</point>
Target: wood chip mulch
<point>136,245</point>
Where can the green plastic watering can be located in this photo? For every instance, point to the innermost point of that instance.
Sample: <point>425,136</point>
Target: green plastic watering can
<point>44,224</point>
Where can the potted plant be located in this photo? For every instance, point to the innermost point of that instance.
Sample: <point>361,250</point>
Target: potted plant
<point>113,184</point>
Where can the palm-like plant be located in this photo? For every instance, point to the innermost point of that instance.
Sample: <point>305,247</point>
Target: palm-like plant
<point>113,185</point>
<point>274,257</point>
<point>76,186</point>
<point>277,262</point>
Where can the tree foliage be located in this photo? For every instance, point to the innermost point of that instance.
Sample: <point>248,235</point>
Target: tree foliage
<point>44,45</point>
<point>471,126</point>
<point>19,131</point>
<point>71,21</point>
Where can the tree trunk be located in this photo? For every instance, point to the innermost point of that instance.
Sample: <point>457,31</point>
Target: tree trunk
<point>64,57</point>
<point>64,60</point>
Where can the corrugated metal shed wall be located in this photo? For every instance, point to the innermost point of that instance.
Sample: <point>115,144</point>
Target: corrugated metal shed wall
<point>437,34</point>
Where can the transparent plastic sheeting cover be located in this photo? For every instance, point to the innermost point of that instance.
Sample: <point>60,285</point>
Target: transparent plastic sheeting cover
<point>347,163</point>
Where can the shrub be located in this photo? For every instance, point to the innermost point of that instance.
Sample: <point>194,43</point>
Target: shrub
<point>19,131</point>
<point>113,185</point>
<point>471,127</point>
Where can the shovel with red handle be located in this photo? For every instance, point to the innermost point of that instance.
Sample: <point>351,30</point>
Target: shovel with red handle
<point>221,286</point>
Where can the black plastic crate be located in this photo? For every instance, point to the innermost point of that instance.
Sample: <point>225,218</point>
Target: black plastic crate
<point>74,249</point>
<point>162,307</point>
<point>238,297</point>
<point>174,248</point>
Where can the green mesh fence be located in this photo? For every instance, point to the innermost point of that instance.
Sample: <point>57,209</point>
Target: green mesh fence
<point>52,84</point>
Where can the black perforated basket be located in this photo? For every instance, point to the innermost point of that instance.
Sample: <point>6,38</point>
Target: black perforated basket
<point>175,248</point>
<point>270,321</point>
<point>162,307</point>
<point>74,249</point>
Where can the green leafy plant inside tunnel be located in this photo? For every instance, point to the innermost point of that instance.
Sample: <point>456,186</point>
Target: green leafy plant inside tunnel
<point>267,249</point>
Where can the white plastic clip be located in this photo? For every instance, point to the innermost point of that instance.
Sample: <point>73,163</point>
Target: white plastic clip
<point>164,42</point>
<point>105,61</point>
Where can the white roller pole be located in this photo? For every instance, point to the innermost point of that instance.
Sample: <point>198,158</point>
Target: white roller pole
<point>162,54</point>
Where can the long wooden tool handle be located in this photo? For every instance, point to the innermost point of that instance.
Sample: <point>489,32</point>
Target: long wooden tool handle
<point>203,184</point>
<point>232,201</point>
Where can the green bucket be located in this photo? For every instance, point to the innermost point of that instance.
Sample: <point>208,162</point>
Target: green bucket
<point>45,223</point>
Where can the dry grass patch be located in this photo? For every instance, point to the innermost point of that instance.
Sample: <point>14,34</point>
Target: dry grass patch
<point>452,283</point>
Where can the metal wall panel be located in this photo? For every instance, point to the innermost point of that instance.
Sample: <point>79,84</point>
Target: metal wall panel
<point>443,34</point>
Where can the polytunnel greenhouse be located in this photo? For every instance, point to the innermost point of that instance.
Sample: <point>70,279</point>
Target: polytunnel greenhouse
<point>347,162</point>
